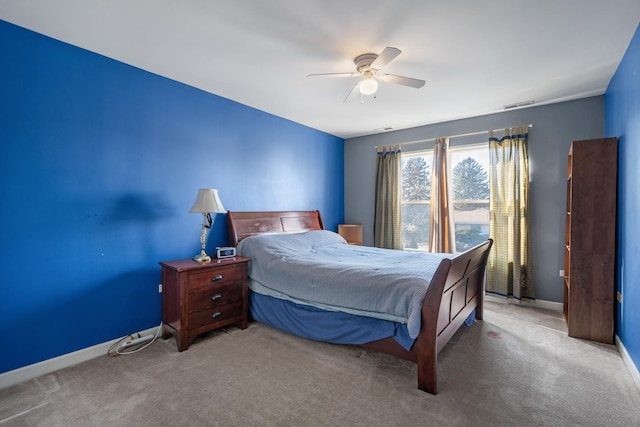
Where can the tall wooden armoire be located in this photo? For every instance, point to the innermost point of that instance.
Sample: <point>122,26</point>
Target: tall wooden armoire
<point>590,239</point>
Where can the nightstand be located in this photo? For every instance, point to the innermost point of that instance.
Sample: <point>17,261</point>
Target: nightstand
<point>352,233</point>
<point>200,297</point>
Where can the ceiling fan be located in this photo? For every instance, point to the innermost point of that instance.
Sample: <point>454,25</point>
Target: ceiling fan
<point>368,67</point>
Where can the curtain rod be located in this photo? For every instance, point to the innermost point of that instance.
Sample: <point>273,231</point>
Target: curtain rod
<point>453,136</point>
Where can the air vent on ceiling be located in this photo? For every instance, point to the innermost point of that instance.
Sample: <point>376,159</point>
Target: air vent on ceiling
<point>519,104</point>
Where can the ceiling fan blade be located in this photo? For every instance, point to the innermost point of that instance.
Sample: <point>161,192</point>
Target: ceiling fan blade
<point>405,81</point>
<point>333,75</point>
<point>352,91</point>
<point>387,55</point>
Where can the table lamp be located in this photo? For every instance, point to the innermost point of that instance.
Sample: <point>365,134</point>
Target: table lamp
<point>207,203</point>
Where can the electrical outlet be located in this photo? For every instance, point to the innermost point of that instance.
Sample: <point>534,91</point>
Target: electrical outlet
<point>619,296</point>
<point>160,288</point>
<point>561,273</point>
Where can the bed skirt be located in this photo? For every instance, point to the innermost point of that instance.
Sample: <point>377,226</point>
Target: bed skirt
<point>322,325</point>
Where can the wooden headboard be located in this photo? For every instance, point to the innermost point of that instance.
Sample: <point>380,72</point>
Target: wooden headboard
<point>245,224</point>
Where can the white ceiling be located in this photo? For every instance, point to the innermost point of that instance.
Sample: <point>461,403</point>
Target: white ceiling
<point>476,56</point>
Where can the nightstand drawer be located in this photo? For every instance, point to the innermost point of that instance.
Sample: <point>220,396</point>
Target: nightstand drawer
<point>214,297</point>
<point>201,321</point>
<point>214,278</point>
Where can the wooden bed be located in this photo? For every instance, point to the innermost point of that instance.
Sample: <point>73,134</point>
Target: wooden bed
<point>456,289</point>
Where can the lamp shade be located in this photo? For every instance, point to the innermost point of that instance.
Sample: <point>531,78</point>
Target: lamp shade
<point>368,86</point>
<point>207,201</point>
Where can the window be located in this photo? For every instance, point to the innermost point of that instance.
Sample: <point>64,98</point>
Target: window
<point>416,195</point>
<point>470,193</point>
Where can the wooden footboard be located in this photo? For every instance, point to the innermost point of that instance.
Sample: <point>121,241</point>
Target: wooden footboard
<point>456,289</point>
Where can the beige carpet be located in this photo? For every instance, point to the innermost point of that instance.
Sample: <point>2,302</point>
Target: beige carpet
<point>519,368</point>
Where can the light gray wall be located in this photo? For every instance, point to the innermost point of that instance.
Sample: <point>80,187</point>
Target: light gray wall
<point>555,126</point>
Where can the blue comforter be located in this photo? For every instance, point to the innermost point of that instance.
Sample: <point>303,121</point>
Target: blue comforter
<point>319,268</point>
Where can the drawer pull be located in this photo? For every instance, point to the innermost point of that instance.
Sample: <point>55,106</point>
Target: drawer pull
<point>216,278</point>
<point>216,296</point>
<point>216,314</point>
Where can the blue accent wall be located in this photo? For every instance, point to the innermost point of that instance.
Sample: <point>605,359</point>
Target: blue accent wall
<point>622,119</point>
<point>100,164</point>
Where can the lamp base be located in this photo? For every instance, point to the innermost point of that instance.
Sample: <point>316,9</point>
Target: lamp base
<point>202,257</point>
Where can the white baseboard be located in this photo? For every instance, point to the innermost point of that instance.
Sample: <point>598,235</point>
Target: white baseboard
<point>26,373</point>
<point>633,369</point>
<point>549,305</point>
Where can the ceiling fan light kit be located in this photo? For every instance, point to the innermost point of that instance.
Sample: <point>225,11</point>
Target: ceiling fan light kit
<point>368,66</point>
<point>368,86</point>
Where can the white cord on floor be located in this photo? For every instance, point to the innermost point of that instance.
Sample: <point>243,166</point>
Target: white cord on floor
<point>114,350</point>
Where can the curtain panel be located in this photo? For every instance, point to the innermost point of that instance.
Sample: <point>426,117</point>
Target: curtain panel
<point>509,269</point>
<point>387,232</point>
<point>441,225</point>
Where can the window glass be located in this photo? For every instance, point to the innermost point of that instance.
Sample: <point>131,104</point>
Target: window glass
<point>470,193</point>
<point>416,194</point>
